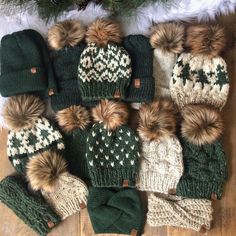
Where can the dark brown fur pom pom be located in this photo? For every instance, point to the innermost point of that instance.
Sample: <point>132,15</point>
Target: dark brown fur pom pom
<point>157,120</point>
<point>207,40</point>
<point>102,31</point>
<point>201,124</point>
<point>112,114</point>
<point>21,111</point>
<point>44,169</point>
<point>66,33</point>
<point>168,36</point>
<point>74,117</point>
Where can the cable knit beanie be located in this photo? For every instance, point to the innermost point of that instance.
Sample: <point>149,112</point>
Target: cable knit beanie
<point>25,65</point>
<point>141,88</point>
<point>204,158</point>
<point>167,39</point>
<point>112,147</point>
<point>201,76</point>
<point>30,207</point>
<point>195,214</point>
<point>115,211</point>
<point>66,193</point>
<point>105,67</point>
<point>75,122</point>
<point>161,158</point>
<point>30,133</point>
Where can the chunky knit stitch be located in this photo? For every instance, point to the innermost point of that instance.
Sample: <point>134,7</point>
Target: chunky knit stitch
<point>29,207</point>
<point>193,214</point>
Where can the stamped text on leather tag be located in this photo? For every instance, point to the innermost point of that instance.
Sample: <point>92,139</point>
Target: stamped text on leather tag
<point>172,191</point>
<point>137,83</point>
<point>50,224</point>
<point>125,183</point>
<point>134,232</point>
<point>82,205</point>
<point>117,94</point>
<point>203,229</point>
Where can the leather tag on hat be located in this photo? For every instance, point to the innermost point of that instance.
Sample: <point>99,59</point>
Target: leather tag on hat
<point>137,83</point>
<point>172,191</point>
<point>213,196</point>
<point>50,92</point>
<point>82,205</point>
<point>203,229</point>
<point>117,94</point>
<point>33,70</point>
<point>134,232</point>
<point>125,183</point>
<point>50,224</point>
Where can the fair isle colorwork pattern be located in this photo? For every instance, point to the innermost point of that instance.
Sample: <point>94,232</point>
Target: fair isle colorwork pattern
<point>195,214</point>
<point>198,79</point>
<point>103,71</point>
<point>112,156</point>
<point>69,197</point>
<point>161,166</point>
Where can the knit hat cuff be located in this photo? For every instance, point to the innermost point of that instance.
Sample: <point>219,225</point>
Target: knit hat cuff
<point>191,188</point>
<point>28,80</point>
<point>113,178</point>
<point>162,183</point>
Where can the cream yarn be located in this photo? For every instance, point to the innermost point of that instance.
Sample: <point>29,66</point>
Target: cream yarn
<point>69,197</point>
<point>193,214</point>
<point>161,166</point>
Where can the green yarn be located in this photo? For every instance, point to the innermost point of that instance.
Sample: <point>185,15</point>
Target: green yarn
<point>29,207</point>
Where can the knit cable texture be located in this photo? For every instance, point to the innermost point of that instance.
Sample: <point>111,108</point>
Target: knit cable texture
<point>194,214</point>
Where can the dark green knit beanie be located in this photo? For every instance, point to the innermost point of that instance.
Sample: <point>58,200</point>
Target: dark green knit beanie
<point>105,67</point>
<point>25,65</point>
<point>115,211</point>
<point>75,122</point>
<point>29,207</point>
<point>142,85</point>
<point>204,159</point>
<point>112,147</point>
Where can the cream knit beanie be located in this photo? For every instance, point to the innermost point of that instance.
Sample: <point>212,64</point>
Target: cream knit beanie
<point>193,214</point>
<point>161,159</point>
<point>167,40</point>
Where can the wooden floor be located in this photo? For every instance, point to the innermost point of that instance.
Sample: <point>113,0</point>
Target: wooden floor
<point>224,223</point>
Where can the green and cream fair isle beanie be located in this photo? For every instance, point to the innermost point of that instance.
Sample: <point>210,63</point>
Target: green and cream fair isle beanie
<point>30,207</point>
<point>66,193</point>
<point>205,170</point>
<point>29,133</point>
<point>200,76</point>
<point>167,40</point>
<point>105,67</point>
<point>112,147</point>
<point>26,65</point>
<point>161,156</point>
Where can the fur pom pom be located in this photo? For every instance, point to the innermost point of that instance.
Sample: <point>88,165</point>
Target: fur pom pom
<point>201,124</point>
<point>169,37</point>
<point>102,31</point>
<point>112,114</point>
<point>74,117</point>
<point>21,111</point>
<point>207,40</point>
<point>44,169</point>
<point>157,120</point>
<point>66,33</point>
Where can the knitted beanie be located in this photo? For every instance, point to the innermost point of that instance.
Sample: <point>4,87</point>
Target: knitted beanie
<point>141,88</point>
<point>30,133</point>
<point>25,65</point>
<point>112,147</point>
<point>66,193</point>
<point>204,158</point>
<point>105,67</point>
<point>29,207</point>
<point>74,121</point>
<point>167,39</point>
<point>195,214</point>
<point>201,75</point>
<point>115,211</point>
<point>161,158</point>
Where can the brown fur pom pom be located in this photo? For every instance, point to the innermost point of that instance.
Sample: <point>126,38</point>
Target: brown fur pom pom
<point>44,169</point>
<point>168,36</point>
<point>66,33</point>
<point>157,120</point>
<point>112,114</point>
<point>102,31</point>
<point>201,124</point>
<point>21,111</point>
<point>207,40</point>
<point>74,117</point>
